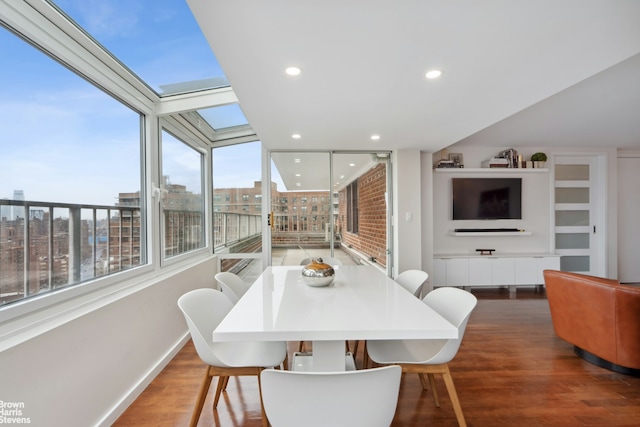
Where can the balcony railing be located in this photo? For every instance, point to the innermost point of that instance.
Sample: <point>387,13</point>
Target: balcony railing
<point>231,228</point>
<point>46,246</point>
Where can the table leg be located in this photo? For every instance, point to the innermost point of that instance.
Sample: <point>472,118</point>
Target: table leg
<point>328,356</point>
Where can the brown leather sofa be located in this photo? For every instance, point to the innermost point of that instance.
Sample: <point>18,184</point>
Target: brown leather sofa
<point>600,317</point>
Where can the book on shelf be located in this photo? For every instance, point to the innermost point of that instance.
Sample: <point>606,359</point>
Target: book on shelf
<point>496,162</point>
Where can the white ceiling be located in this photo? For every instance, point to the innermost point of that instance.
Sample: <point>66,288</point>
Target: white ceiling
<point>516,72</point>
<point>311,171</point>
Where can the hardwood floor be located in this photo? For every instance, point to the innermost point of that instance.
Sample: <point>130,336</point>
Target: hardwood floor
<point>511,370</point>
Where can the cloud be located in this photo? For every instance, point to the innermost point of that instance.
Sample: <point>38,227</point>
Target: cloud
<point>105,19</point>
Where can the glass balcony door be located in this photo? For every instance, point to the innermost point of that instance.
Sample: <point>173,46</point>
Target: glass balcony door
<point>300,207</point>
<point>237,208</point>
<point>329,205</point>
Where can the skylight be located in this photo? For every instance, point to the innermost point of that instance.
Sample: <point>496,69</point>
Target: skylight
<point>224,116</point>
<point>158,40</point>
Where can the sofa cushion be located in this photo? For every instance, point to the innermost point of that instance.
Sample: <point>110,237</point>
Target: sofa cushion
<point>628,326</point>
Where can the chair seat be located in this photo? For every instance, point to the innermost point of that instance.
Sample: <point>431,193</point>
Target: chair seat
<point>404,351</point>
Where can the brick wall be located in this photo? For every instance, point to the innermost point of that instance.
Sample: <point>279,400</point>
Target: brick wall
<point>372,219</point>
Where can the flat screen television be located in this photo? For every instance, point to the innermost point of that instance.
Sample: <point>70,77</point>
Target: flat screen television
<point>487,198</point>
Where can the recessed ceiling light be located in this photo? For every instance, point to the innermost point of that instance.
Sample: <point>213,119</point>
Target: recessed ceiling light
<point>296,160</point>
<point>296,136</point>
<point>293,71</point>
<point>297,174</point>
<point>352,164</point>
<point>433,74</point>
<point>375,137</point>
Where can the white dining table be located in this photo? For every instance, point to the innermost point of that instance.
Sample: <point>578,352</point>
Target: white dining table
<point>362,303</point>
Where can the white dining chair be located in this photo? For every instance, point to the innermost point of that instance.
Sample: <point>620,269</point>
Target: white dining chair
<point>366,397</point>
<point>430,356</point>
<point>232,285</point>
<point>203,310</point>
<point>413,281</point>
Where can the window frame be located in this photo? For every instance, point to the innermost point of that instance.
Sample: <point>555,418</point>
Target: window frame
<point>40,24</point>
<point>54,36</point>
<point>191,140</point>
<point>352,207</point>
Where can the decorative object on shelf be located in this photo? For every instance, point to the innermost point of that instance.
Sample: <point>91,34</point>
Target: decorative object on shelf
<point>443,161</point>
<point>445,164</point>
<point>485,251</point>
<point>456,158</point>
<point>511,155</point>
<point>317,273</point>
<point>538,160</point>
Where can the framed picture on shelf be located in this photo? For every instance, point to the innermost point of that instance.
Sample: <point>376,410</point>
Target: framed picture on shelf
<point>456,158</point>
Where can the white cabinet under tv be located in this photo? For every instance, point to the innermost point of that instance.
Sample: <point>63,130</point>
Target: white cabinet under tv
<point>492,270</point>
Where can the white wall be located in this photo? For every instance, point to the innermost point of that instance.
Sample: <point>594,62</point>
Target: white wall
<point>535,216</point>
<point>408,210</point>
<point>628,225</point>
<point>87,370</point>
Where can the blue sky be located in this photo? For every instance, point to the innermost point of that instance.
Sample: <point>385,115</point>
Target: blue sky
<point>63,140</point>
<point>51,123</point>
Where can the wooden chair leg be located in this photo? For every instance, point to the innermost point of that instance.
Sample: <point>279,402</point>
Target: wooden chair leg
<point>432,381</point>
<point>365,357</point>
<point>202,394</point>
<point>423,381</point>
<point>301,346</point>
<point>448,381</point>
<point>222,384</point>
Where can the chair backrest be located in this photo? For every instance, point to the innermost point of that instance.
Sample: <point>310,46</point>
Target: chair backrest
<point>325,259</point>
<point>232,285</point>
<point>366,397</point>
<point>412,280</point>
<point>203,310</point>
<point>455,305</point>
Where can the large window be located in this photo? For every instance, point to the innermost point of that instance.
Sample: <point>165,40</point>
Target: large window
<point>352,207</point>
<point>70,177</point>
<point>182,197</point>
